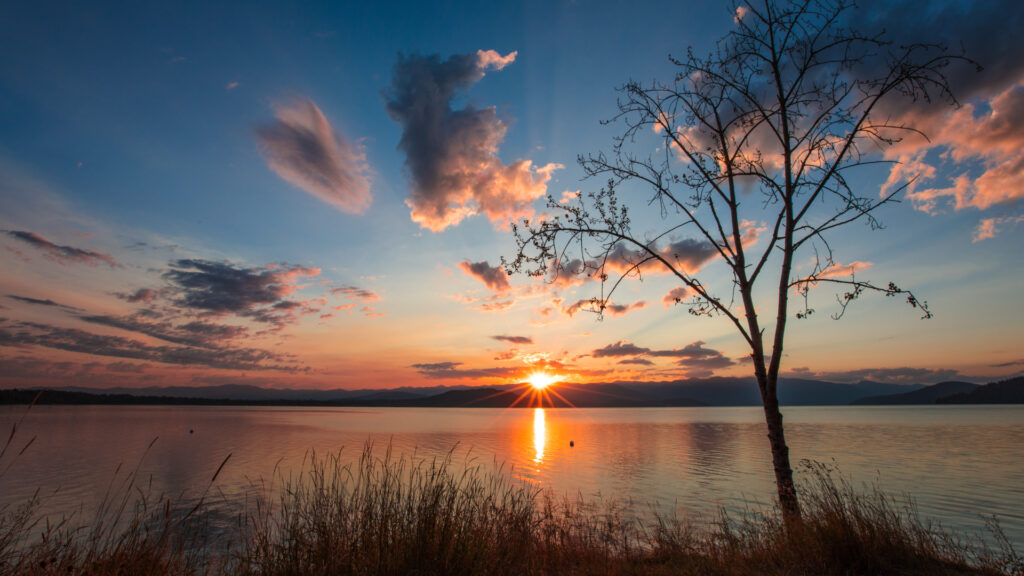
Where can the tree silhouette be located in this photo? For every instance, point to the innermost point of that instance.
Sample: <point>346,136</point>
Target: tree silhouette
<point>753,154</point>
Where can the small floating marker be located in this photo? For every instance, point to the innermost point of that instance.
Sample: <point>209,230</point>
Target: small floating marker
<point>190,430</point>
<point>572,443</point>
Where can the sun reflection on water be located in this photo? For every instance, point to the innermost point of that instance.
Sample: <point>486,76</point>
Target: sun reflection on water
<point>539,434</point>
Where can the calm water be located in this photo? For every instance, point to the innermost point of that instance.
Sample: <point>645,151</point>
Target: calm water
<point>958,462</point>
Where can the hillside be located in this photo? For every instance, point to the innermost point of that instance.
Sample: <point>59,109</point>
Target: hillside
<point>927,395</point>
<point>1004,392</point>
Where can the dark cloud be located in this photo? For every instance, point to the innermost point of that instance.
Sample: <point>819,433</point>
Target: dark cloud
<point>514,339</point>
<point>452,370</point>
<point>40,302</point>
<point>695,350</point>
<point>62,254</point>
<point>901,375</point>
<point>494,277</point>
<point>640,361</point>
<point>622,309</point>
<point>221,287</point>
<point>196,333</point>
<point>24,334</point>
<point>303,149</point>
<point>451,155</point>
<point>694,358</point>
<point>564,274</point>
<point>145,295</point>
<point>28,371</point>
<point>620,348</point>
<point>437,366</point>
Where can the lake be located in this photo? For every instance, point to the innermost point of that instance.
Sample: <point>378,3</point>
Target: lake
<point>959,463</point>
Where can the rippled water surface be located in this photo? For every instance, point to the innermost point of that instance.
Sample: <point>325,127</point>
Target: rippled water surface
<point>959,463</point>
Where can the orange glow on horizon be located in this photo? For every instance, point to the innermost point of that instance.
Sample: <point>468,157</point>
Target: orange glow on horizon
<point>541,380</point>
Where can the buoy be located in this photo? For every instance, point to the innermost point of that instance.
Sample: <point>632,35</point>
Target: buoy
<point>190,430</point>
<point>571,443</point>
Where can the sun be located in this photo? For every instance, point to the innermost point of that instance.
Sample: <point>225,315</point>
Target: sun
<point>540,380</point>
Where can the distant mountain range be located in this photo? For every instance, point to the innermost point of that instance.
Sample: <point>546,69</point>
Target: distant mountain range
<point>1004,392</point>
<point>697,392</point>
<point>926,395</point>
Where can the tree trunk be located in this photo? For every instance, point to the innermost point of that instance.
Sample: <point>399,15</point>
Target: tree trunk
<point>788,500</point>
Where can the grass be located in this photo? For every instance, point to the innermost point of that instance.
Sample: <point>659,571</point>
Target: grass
<point>394,515</point>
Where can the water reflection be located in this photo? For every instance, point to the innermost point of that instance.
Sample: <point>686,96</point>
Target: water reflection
<point>693,459</point>
<point>539,435</point>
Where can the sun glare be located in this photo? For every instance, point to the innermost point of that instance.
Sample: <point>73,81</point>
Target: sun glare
<point>541,380</point>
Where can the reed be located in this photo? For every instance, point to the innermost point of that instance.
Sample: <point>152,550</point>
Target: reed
<point>392,514</point>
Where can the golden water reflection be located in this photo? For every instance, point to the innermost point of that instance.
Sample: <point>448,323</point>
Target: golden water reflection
<point>539,435</point>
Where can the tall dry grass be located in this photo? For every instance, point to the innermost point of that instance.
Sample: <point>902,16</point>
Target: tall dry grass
<point>395,514</point>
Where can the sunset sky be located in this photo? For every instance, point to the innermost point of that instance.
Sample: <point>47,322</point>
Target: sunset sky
<point>319,197</point>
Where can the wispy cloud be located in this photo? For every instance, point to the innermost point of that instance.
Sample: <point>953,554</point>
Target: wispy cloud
<point>597,306</point>
<point>451,154</point>
<point>454,370</point>
<point>59,253</point>
<point>40,302</point>
<point>357,293</point>
<point>899,375</point>
<point>513,339</point>
<point>23,334</point>
<point>304,150</point>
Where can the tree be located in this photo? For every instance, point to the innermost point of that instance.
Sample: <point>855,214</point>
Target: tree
<point>770,126</point>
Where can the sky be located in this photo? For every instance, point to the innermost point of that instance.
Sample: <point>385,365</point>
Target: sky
<point>319,196</point>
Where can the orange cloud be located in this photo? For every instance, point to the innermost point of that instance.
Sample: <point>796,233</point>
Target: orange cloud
<point>676,295</point>
<point>494,277</point>
<point>452,154</point>
<point>989,134</point>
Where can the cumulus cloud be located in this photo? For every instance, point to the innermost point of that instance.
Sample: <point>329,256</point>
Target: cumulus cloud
<point>304,150</point>
<point>452,154</point>
<point>990,134</point>
<point>62,254</point>
<point>974,155</point>
<point>494,277</point>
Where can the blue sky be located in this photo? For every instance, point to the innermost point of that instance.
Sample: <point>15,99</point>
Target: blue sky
<point>140,133</point>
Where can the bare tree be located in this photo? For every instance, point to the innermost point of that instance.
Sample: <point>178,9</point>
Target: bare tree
<point>771,125</point>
